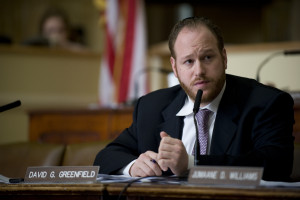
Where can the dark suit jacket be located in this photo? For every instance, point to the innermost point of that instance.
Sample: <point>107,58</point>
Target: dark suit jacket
<point>253,127</point>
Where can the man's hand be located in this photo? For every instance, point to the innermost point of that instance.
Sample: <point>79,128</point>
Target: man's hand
<point>172,154</point>
<point>146,165</point>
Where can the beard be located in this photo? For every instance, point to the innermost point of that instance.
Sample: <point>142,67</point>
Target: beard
<point>210,93</point>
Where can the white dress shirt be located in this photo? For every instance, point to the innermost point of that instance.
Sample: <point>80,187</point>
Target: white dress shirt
<point>189,130</point>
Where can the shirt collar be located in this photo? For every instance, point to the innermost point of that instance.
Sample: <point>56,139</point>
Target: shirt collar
<point>213,106</point>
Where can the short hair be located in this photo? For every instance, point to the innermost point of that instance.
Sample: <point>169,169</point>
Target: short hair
<point>194,22</point>
<point>54,12</point>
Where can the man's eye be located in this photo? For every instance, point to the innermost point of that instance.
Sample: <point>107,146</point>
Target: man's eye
<point>189,61</point>
<point>207,57</point>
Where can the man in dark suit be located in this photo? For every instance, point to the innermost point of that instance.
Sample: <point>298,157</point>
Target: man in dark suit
<point>250,124</point>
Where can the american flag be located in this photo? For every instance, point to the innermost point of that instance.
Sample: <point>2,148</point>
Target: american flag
<point>124,56</point>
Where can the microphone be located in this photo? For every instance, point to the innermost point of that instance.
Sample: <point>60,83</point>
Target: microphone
<point>291,52</point>
<point>195,110</point>
<point>285,52</point>
<point>197,101</point>
<point>10,106</point>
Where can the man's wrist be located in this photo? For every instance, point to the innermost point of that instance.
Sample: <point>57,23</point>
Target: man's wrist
<point>126,170</point>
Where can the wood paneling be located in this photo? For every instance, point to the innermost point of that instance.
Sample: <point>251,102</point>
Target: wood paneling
<point>78,125</point>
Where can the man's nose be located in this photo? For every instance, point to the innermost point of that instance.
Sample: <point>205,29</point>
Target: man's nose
<point>199,68</point>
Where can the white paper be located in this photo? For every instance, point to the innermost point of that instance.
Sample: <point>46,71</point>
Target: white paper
<point>104,178</point>
<point>4,179</point>
<point>278,184</point>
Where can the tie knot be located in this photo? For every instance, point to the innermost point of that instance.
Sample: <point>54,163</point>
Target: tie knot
<point>203,115</point>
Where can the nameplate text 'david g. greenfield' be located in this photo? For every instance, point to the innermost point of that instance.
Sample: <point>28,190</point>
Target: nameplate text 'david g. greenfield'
<point>61,174</point>
<point>219,175</point>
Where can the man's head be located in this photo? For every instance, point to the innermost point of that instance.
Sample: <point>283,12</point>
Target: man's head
<point>193,22</point>
<point>198,57</point>
<point>54,26</point>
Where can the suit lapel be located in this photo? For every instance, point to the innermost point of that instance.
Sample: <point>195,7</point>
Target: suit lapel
<point>225,123</point>
<point>173,124</point>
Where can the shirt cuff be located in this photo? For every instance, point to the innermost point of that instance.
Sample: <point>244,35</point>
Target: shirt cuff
<point>191,161</point>
<point>125,170</point>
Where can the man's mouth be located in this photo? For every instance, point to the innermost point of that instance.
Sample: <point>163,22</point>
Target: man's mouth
<point>201,83</point>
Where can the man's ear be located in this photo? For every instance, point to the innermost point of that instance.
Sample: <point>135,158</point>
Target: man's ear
<point>173,63</point>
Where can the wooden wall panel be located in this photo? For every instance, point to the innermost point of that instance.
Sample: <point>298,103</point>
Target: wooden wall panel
<point>78,126</point>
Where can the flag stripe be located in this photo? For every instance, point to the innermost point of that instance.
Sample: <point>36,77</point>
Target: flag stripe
<point>110,31</point>
<point>120,47</point>
<point>138,79</point>
<point>124,53</point>
<point>129,43</point>
<point>110,52</point>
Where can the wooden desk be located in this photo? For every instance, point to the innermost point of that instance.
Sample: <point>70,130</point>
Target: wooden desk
<point>144,191</point>
<point>141,191</point>
<point>51,191</point>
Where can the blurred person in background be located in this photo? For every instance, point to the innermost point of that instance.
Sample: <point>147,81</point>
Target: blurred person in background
<point>55,31</point>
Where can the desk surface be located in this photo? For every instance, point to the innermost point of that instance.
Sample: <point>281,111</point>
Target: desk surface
<point>141,191</point>
<point>51,191</point>
<point>204,192</point>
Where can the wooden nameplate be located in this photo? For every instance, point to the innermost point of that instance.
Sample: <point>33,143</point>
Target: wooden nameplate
<point>62,174</point>
<point>220,175</point>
